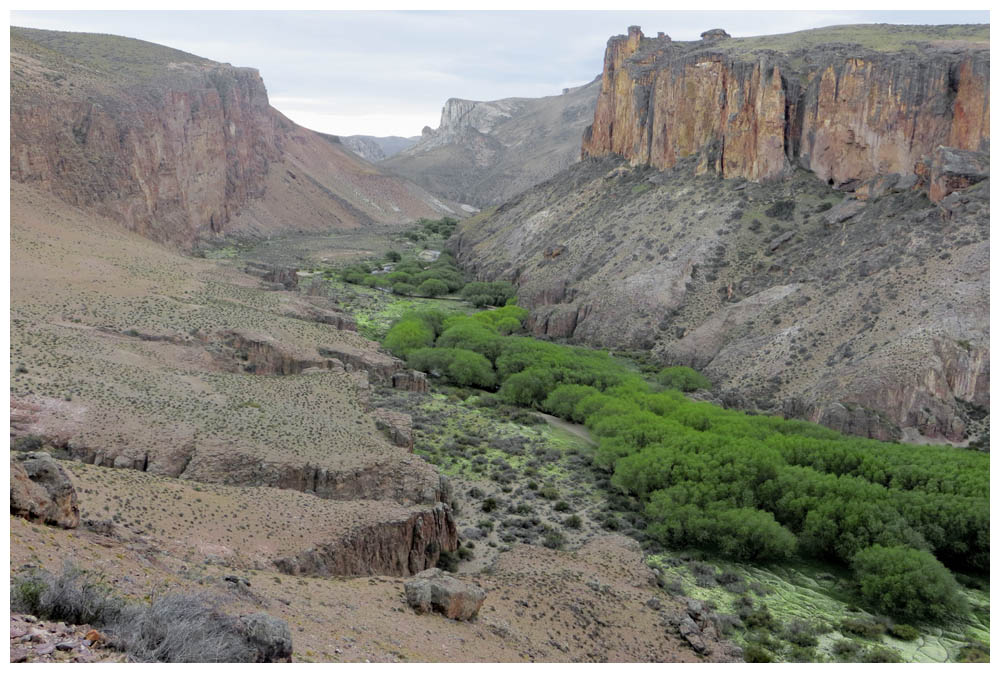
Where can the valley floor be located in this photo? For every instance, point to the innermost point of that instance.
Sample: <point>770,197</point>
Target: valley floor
<point>568,571</point>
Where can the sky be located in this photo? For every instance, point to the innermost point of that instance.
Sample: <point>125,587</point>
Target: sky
<point>389,72</point>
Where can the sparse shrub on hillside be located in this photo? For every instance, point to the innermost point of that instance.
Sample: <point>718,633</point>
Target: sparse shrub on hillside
<point>393,256</point>
<point>907,582</point>
<point>781,210</point>
<point>177,628</point>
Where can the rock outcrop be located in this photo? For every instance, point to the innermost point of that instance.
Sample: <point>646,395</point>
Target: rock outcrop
<point>750,111</point>
<point>40,490</point>
<point>435,590</point>
<point>399,548</point>
<point>180,148</point>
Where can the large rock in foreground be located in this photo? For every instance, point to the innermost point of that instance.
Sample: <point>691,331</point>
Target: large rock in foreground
<point>439,591</point>
<point>40,490</point>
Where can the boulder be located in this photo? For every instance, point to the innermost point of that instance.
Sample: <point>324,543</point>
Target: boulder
<point>715,34</point>
<point>40,490</point>
<point>952,169</point>
<point>436,590</point>
<point>269,636</point>
<point>844,210</point>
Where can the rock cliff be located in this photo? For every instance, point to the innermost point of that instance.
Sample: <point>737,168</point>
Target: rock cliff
<point>180,148</point>
<point>753,108</point>
<point>485,152</point>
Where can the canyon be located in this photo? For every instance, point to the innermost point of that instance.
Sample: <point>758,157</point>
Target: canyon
<point>729,183</point>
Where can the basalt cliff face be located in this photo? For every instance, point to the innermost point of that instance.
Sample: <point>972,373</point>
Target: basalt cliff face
<point>804,220</point>
<point>754,111</point>
<point>180,148</point>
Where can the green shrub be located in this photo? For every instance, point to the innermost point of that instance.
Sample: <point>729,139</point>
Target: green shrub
<point>862,627</point>
<point>908,583</point>
<point>393,256</point>
<point>682,378</point>
<point>904,632</point>
<point>432,287</point>
<point>471,369</point>
<point>755,654</point>
<point>407,335</point>
<point>496,293</point>
<point>573,521</point>
<point>781,210</point>
<point>404,289</point>
<point>974,653</point>
<point>846,649</point>
<point>880,655</point>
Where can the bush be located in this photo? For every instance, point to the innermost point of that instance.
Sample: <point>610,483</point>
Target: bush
<point>404,289</point>
<point>880,655</point>
<point>862,628</point>
<point>682,378</point>
<point>906,582</point>
<point>393,256</point>
<point>74,596</point>
<point>177,628</point>
<point>755,654</point>
<point>448,561</point>
<point>408,334</point>
<point>904,632</point>
<point>497,293</point>
<point>432,287</point>
<point>846,649</point>
<point>573,521</point>
<point>470,369</point>
<point>781,210</point>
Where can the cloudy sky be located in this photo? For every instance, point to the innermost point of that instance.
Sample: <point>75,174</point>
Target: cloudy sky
<point>388,73</point>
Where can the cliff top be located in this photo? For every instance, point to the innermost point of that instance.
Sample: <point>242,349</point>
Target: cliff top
<point>880,37</point>
<point>94,61</point>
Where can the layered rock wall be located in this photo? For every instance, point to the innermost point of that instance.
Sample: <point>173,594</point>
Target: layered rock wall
<point>845,115</point>
<point>399,548</point>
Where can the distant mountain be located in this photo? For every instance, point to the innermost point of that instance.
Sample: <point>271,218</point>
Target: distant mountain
<point>373,148</point>
<point>484,153</point>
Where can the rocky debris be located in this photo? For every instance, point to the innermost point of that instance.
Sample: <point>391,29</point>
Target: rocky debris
<point>33,640</point>
<point>843,211</point>
<point>286,277</point>
<point>715,34</point>
<point>270,637</point>
<point>399,548</point>
<point>41,490</point>
<point>776,242</point>
<point>397,426</point>
<point>428,255</point>
<point>954,169</point>
<point>554,251</point>
<point>439,591</point>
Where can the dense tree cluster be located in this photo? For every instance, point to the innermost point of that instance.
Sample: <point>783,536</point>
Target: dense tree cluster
<point>754,488</point>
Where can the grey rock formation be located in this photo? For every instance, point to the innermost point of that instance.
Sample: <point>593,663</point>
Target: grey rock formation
<point>41,490</point>
<point>438,591</point>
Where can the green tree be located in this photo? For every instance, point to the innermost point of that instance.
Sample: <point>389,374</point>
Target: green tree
<point>907,583</point>
<point>407,335</point>
<point>471,369</point>
<point>682,378</point>
<point>432,287</point>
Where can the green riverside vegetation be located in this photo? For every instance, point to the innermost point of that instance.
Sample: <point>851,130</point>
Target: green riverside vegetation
<point>750,488</point>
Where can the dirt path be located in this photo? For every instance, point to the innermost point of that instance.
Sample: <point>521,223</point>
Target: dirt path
<point>572,428</point>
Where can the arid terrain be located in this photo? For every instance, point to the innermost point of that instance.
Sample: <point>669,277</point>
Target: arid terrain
<point>223,450</point>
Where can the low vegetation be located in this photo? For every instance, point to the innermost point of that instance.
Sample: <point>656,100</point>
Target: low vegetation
<point>177,628</point>
<point>752,488</point>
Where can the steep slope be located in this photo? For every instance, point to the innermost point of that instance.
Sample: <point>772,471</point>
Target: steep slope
<point>180,148</point>
<point>484,153</point>
<point>374,148</point>
<point>866,311</point>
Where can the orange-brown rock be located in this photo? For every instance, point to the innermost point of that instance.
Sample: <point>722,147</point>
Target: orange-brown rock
<point>40,490</point>
<point>754,113</point>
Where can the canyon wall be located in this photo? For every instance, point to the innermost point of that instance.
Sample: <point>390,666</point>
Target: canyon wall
<point>843,113</point>
<point>180,148</point>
